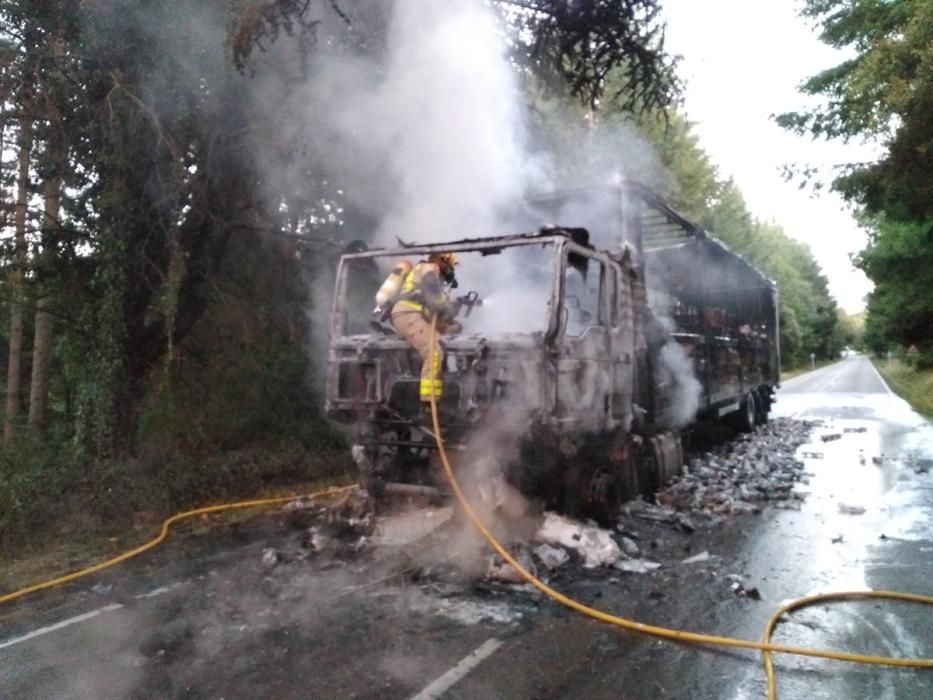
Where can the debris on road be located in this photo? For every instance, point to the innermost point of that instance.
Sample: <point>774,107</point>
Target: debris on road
<point>697,558</point>
<point>102,588</point>
<point>629,546</point>
<point>650,539</point>
<point>738,587</point>
<point>314,540</point>
<point>740,590</point>
<point>593,543</point>
<point>739,476</point>
<point>355,514</point>
<point>269,557</point>
<point>551,557</point>
<point>502,571</point>
<point>846,509</point>
<point>649,511</point>
<point>636,566</point>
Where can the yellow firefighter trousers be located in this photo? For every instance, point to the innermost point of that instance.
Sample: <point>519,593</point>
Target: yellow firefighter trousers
<point>412,326</point>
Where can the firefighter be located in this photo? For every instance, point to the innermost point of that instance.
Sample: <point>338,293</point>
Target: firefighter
<point>423,297</point>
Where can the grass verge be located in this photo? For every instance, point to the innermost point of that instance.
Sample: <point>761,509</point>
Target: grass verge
<point>51,526</point>
<point>88,548</point>
<point>912,385</point>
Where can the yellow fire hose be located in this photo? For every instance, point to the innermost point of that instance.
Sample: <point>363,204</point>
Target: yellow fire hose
<point>163,533</point>
<point>765,645</point>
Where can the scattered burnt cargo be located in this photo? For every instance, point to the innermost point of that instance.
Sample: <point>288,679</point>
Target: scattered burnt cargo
<point>744,475</point>
<point>602,337</point>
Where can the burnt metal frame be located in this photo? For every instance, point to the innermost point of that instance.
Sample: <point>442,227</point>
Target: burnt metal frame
<point>565,243</point>
<point>562,244</point>
<point>558,238</point>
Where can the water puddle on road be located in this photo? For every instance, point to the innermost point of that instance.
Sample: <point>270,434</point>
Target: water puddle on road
<point>867,523</point>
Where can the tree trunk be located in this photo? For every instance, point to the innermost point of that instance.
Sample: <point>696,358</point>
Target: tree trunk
<point>17,276</point>
<point>42,341</point>
<point>41,356</point>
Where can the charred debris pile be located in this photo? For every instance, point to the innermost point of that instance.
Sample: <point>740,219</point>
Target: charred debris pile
<point>739,477</point>
<point>742,475</point>
<point>733,479</point>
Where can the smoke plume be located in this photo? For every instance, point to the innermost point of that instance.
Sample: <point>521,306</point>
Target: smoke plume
<point>433,130</point>
<point>683,388</point>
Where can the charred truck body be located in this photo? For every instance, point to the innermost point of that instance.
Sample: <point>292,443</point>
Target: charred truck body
<point>581,368</point>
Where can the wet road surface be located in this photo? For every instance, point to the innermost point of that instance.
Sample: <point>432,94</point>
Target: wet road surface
<point>210,621</point>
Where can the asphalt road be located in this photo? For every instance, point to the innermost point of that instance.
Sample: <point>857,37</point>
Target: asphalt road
<point>205,618</point>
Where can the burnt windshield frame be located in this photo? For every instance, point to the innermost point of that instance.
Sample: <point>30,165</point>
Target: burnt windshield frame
<point>577,257</point>
<point>553,244</point>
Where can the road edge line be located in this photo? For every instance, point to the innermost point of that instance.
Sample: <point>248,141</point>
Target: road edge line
<point>881,378</point>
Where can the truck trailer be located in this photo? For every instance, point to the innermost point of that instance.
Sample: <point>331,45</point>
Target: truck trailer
<point>598,340</point>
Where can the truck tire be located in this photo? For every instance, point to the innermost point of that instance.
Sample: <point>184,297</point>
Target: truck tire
<point>764,405</point>
<point>648,471</point>
<point>744,419</point>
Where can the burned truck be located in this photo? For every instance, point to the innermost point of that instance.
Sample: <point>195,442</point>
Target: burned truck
<point>604,333</point>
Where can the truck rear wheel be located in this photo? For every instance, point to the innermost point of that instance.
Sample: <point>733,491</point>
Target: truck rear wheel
<point>745,418</point>
<point>648,471</point>
<point>764,405</point>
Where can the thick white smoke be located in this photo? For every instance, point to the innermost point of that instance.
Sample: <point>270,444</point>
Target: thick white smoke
<point>430,139</point>
<point>434,130</point>
<point>684,388</point>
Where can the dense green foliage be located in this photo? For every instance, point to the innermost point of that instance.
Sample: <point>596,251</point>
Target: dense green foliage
<point>899,259</point>
<point>884,92</point>
<point>578,47</point>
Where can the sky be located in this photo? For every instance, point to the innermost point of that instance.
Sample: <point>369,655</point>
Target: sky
<point>742,61</point>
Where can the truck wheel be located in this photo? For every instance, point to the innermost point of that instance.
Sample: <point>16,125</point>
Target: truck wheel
<point>649,477</point>
<point>628,480</point>
<point>763,401</point>
<point>744,419</point>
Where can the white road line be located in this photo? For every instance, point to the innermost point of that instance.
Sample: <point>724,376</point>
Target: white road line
<point>59,625</point>
<point>153,593</point>
<point>467,664</point>
<point>880,378</point>
<point>86,616</point>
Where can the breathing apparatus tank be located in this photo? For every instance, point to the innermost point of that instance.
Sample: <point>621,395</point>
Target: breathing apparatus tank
<point>390,289</point>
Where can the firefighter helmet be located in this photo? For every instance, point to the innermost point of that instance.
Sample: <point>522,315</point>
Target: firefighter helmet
<point>446,262</point>
<point>445,259</point>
